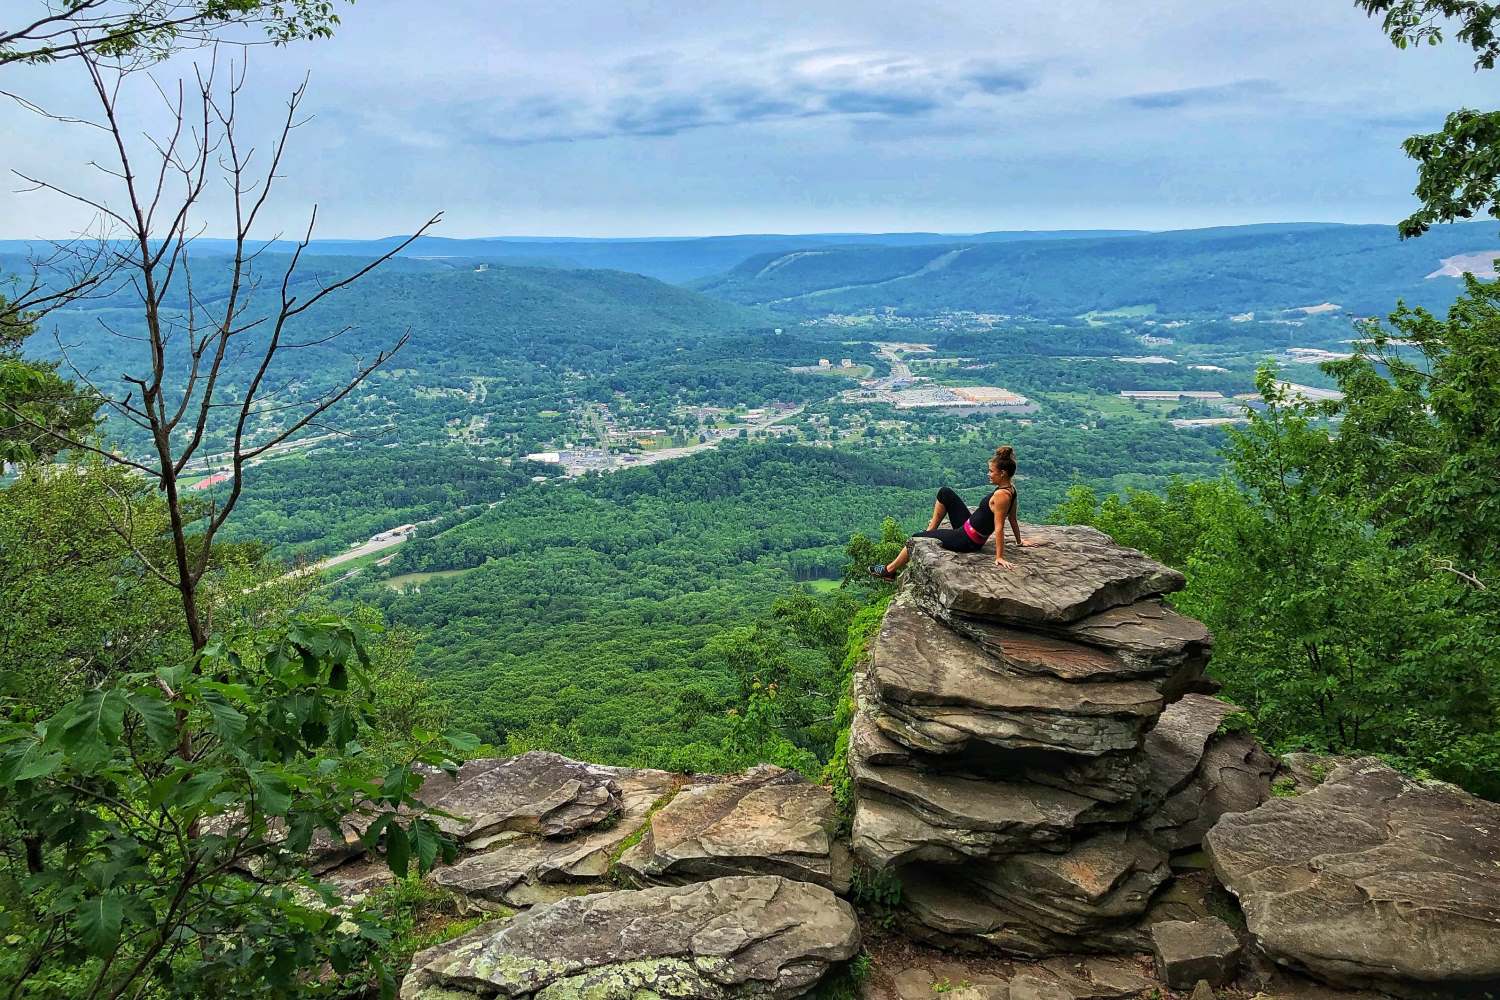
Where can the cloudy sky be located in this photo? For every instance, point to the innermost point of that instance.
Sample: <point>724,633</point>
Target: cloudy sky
<point>625,117</point>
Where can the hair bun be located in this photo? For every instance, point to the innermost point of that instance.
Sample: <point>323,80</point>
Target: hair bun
<point>1005,451</point>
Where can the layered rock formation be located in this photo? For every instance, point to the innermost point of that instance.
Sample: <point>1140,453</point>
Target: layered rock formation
<point>1372,879</point>
<point>1026,752</point>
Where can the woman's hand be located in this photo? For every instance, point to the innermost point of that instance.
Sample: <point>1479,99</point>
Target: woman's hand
<point>1002,561</point>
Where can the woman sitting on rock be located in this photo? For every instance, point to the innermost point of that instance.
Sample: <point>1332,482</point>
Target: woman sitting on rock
<point>969,531</point>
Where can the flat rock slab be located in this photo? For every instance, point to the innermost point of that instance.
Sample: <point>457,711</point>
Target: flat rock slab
<point>903,814</point>
<point>1100,883</point>
<point>768,821</point>
<point>1147,631</point>
<point>526,869</point>
<point>944,691</point>
<point>742,936</point>
<point>542,793</point>
<point>1190,952</point>
<point>1373,880</point>
<point>911,819</point>
<point>1067,574</point>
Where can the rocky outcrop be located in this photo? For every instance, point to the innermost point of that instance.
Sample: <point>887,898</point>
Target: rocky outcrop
<point>1199,772</point>
<point>520,870</point>
<point>541,793</point>
<point>768,821</point>
<point>1371,879</point>
<point>668,830</point>
<point>1074,573</point>
<point>1026,753</point>
<point>740,936</point>
<point>943,692</point>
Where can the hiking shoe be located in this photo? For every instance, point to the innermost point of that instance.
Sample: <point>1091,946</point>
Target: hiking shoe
<point>879,572</point>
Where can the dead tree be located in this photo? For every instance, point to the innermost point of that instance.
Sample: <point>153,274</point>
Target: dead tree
<point>177,395</point>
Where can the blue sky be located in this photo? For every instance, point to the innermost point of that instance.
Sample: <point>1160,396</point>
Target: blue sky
<point>632,118</point>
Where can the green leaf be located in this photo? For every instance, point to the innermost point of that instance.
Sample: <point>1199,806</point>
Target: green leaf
<point>425,842</point>
<point>372,833</point>
<point>398,781</point>
<point>229,723</point>
<point>157,716</point>
<point>96,718</point>
<point>98,923</point>
<point>274,793</point>
<point>25,764</point>
<point>344,727</point>
<point>397,850</point>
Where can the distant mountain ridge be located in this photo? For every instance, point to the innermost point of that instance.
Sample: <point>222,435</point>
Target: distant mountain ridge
<point>1212,271</point>
<point>1202,271</point>
<point>666,258</point>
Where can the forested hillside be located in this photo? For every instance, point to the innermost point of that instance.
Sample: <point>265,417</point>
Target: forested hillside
<point>1194,272</point>
<point>585,616</point>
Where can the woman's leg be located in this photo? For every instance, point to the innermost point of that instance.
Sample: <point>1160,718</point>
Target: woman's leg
<point>953,505</point>
<point>952,539</point>
<point>950,504</point>
<point>897,564</point>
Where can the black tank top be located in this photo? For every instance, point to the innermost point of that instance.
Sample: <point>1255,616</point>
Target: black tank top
<point>983,518</point>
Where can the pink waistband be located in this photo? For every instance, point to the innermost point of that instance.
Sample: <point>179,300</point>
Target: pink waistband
<point>970,530</point>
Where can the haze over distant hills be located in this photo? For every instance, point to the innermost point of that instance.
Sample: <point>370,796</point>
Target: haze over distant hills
<point>1234,269</point>
<point>1231,269</point>
<point>668,258</point>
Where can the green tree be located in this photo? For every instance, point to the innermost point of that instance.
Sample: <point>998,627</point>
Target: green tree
<point>1342,565</point>
<point>37,406</point>
<point>132,870</point>
<point>1458,172</point>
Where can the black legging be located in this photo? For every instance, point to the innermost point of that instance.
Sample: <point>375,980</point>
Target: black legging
<point>954,539</point>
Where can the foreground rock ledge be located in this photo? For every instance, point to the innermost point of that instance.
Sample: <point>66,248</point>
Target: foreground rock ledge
<point>1371,880</point>
<point>742,936</point>
<point>538,792</point>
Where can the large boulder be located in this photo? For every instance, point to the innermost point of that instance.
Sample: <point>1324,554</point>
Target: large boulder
<point>768,821</point>
<point>1371,879</point>
<point>1067,573</point>
<point>741,936</point>
<point>524,869</point>
<point>542,793</point>
<point>943,693</point>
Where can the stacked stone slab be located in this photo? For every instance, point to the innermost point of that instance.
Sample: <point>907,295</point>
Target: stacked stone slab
<point>1010,756</point>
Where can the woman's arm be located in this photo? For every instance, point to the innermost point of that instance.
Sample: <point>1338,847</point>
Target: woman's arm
<point>1015,522</point>
<point>1000,503</point>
